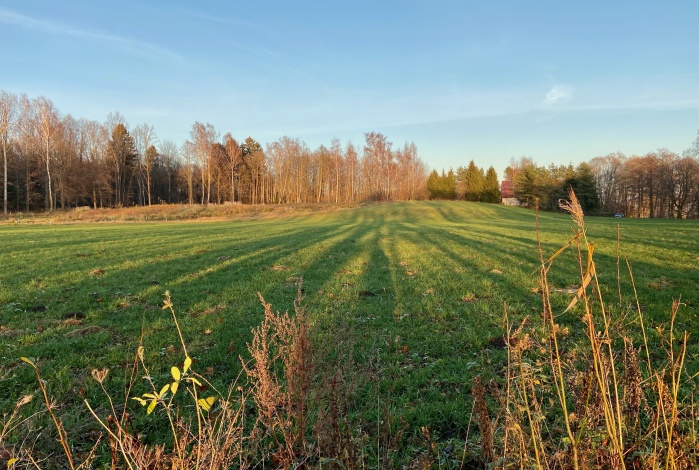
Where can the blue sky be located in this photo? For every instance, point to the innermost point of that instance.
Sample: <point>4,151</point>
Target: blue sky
<point>561,82</point>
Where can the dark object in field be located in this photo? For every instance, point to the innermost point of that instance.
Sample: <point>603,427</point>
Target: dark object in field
<point>363,294</point>
<point>154,283</point>
<point>499,342</point>
<point>74,315</point>
<point>223,258</point>
<point>37,308</point>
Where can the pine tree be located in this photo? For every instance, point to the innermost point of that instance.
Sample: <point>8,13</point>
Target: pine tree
<point>122,156</point>
<point>491,187</point>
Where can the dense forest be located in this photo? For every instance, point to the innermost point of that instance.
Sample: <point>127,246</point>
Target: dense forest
<point>52,161</point>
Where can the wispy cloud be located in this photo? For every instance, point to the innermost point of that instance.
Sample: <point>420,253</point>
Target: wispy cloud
<point>13,18</point>
<point>556,96</point>
<point>659,105</point>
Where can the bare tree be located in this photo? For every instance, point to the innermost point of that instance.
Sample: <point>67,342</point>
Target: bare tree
<point>145,137</point>
<point>203,137</point>
<point>95,138</point>
<point>8,123</point>
<point>169,154</point>
<point>47,121</point>
<point>379,164</point>
<point>685,176</point>
<point>188,152</point>
<point>27,147</point>
<point>336,155</point>
<point>352,162</point>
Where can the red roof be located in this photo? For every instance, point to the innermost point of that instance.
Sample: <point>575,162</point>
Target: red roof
<point>507,189</point>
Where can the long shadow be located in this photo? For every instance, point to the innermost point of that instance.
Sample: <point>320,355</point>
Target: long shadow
<point>132,281</point>
<point>367,268</point>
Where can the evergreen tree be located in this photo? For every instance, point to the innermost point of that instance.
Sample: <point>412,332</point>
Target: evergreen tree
<point>474,180</point>
<point>449,185</point>
<point>442,187</point>
<point>491,187</point>
<point>123,158</point>
<point>584,184</point>
<point>433,184</point>
<point>150,163</point>
<point>253,172</point>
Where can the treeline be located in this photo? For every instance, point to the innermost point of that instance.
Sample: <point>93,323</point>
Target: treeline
<point>532,184</point>
<point>55,161</point>
<point>658,184</point>
<point>469,183</point>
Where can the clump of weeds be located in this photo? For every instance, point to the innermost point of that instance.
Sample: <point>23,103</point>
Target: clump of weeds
<point>595,392</point>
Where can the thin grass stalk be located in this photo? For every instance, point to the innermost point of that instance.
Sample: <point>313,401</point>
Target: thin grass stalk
<point>168,305</point>
<point>468,428</point>
<point>557,367</point>
<point>532,425</point>
<point>640,318</point>
<point>602,379</point>
<point>168,410</point>
<point>508,333</point>
<point>199,427</point>
<point>62,435</point>
<point>618,268</point>
<point>615,382</point>
<point>676,373</point>
<point>111,433</point>
<point>554,354</point>
<point>663,412</point>
<point>613,418</point>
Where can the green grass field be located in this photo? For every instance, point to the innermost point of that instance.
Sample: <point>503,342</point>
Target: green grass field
<point>417,290</point>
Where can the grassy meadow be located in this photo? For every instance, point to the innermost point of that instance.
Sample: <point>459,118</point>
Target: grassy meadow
<point>412,294</point>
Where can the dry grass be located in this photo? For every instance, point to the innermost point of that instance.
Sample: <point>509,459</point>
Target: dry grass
<point>169,212</point>
<point>265,421</point>
<point>279,375</point>
<point>598,403</point>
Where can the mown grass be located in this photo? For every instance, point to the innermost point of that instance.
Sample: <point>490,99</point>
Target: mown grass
<point>417,290</point>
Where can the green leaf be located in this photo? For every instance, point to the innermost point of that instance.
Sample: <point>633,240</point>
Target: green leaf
<point>175,373</point>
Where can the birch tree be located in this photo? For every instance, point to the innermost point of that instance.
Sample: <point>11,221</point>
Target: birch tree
<point>203,137</point>
<point>144,137</point>
<point>47,121</point>
<point>8,123</point>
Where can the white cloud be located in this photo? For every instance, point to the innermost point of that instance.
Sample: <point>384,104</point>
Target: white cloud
<point>557,95</point>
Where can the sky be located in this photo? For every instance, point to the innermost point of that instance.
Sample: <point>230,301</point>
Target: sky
<point>560,82</point>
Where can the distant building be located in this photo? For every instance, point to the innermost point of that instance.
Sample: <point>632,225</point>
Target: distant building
<point>507,190</point>
<point>508,194</point>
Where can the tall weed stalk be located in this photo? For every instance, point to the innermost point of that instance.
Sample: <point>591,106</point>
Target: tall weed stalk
<point>576,404</point>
